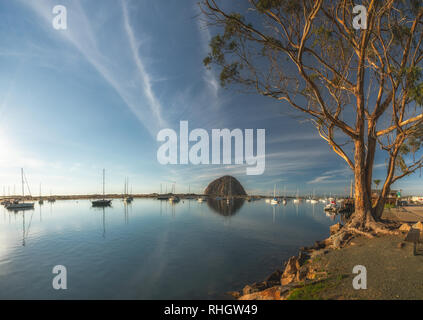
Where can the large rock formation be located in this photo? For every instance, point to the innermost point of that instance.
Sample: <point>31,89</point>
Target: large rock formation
<point>224,186</point>
<point>222,208</point>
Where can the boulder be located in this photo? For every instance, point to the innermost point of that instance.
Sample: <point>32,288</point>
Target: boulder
<point>225,186</point>
<point>290,273</point>
<point>302,273</point>
<point>234,294</point>
<point>272,293</point>
<point>274,279</point>
<point>255,287</point>
<point>405,227</point>
<point>418,225</point>
<point>335,228</point>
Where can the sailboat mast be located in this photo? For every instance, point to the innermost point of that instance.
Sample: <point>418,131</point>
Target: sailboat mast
<point>23,186</point>
<point>103,185</point>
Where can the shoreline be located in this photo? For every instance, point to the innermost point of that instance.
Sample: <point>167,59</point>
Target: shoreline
<point>120,196</point>
<point>324,270</point>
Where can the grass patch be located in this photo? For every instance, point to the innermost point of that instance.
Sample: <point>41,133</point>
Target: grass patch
<point>313,291</point>
<point>389,206</point>
<point>309,291</point>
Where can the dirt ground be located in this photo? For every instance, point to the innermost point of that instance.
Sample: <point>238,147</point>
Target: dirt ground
<point>393,272</point>
<point>409,214</point>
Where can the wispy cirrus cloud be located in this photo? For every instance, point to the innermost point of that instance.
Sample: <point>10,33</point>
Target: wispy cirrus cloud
<point>115,67</point>
<point>209,76</point>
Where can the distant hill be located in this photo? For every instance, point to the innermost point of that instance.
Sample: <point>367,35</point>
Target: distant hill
<point>223,185</point>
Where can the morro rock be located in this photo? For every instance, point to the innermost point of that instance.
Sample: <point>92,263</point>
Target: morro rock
<point>224,186</point>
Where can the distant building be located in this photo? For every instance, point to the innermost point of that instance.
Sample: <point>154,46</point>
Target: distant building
<point>418,199</point>
<point>391,194</point>
<point>391,198</point>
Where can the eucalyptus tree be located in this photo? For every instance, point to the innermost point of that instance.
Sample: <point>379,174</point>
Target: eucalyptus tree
<point>362,87</point>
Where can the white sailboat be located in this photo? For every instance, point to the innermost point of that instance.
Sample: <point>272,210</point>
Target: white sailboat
<point>297,199</point>
<point>16,205</point>
<point>274,200</point>
<point>127,198</point>
<point>174,198</point>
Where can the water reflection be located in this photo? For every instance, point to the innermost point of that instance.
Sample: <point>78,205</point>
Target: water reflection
<point>156,254</point>
<point>103,211</point>
<point>126,209</point>
<point>25,228</point>
<point>225,209</point>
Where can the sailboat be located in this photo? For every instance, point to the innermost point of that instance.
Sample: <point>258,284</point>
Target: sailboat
<point>284,195</point>
<point>51,199</point>
<point>274,200</point>
<point>41,201</point>
<point>189,196</point>
<point>162,196</point>
<point>21,205</point>
<point>297,200</point>
<point>102,202</point>
<point>127,198</point>
<point>174,198</point>
<point>313,200</point>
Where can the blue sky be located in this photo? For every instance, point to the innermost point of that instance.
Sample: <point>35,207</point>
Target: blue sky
<point>95,95</point>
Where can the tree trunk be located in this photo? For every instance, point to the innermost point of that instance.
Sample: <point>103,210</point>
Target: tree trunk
<point>380,206</point>
<point>362,201</point>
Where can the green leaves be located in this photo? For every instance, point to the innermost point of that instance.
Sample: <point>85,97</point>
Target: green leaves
<point>228,73</point>
<point>288,6</point>
<point>415,84</point>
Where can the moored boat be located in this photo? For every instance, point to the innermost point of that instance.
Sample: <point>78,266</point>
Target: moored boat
<point>102,202</point>
<point>20,205</point>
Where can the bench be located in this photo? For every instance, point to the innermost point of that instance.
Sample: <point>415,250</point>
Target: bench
<point>414,236</point>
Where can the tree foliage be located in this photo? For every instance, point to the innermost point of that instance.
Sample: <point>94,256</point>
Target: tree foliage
<point>366,84</point>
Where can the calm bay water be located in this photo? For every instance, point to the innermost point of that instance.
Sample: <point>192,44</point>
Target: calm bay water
<point>150,249</point>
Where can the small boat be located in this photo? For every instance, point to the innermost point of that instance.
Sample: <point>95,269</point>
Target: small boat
<point>41,201</point>
<point>284,201</point>
<point>102,202</point>
<point>163,197</point>
<point>313,201</point>
<point>20,205</point>
<point>274,200</point>
<point>297,200</point>
<point>174,199</point>
<point>127,198</point>
<point>201,199</point>
<point>331,206</point>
